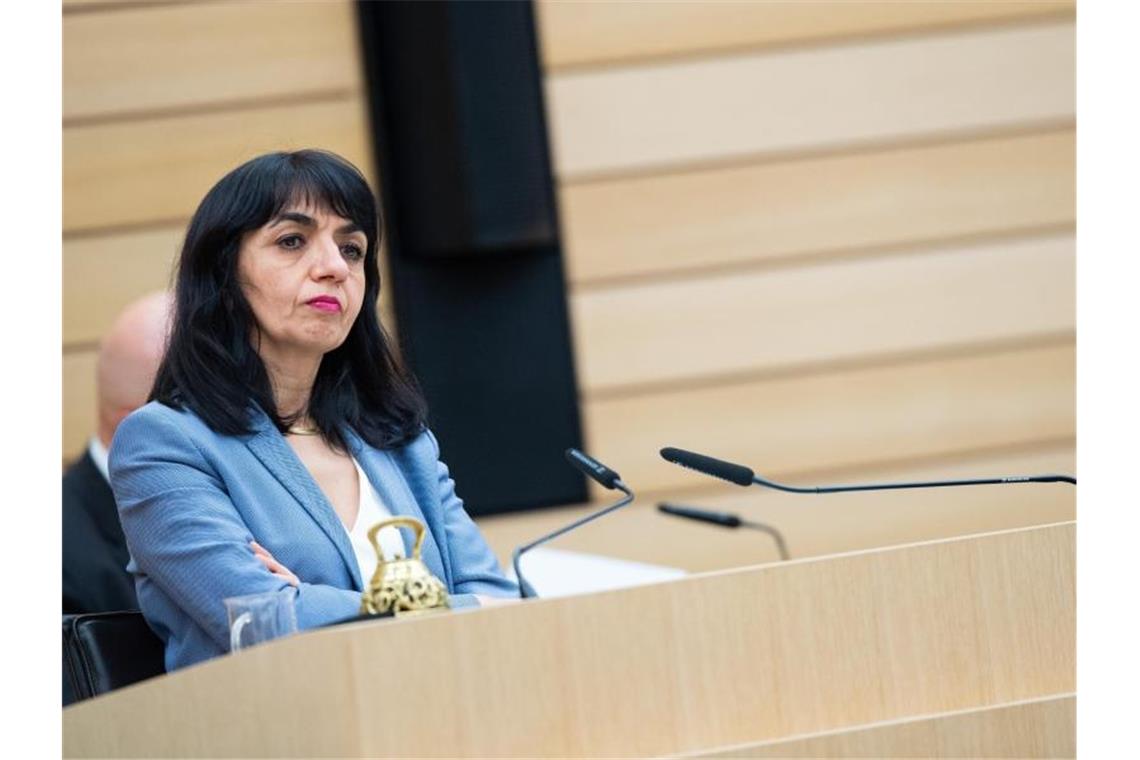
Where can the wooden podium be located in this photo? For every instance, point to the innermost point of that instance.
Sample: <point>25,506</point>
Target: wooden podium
<point>956,647</point>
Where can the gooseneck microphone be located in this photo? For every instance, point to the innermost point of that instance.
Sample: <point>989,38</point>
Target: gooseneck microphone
<point>725,520</point>
<point>742,476</point>
<point>600,474</point>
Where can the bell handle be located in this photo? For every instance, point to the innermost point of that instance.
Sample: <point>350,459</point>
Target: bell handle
<point>398,522</point>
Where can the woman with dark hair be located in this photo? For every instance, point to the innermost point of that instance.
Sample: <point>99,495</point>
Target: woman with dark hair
<point>281,426</point>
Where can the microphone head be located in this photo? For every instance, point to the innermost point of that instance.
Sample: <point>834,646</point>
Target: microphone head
<point>733,473</point>
<point>724,519</point>
<point>592,468</point>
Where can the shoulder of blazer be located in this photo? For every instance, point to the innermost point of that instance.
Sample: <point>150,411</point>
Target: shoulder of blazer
<point>157,425</point>
<point>156,418</point>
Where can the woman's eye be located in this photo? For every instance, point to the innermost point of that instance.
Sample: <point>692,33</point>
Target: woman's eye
<point>291,242</point>
<point>352,252</point>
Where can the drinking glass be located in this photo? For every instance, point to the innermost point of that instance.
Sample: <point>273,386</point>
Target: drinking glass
<point>260,617</point>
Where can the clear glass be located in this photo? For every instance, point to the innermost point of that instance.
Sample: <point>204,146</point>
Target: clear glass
<point>260,617</point>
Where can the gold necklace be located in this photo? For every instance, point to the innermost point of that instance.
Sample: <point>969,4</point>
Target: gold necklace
<point>296,430</point>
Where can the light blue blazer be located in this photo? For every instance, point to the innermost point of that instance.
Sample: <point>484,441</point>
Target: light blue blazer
<point>191,500</point>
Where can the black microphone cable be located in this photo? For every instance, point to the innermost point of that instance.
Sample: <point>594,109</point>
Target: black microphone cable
<point>600,474</point>
<point>742,476</point>
<point>725,520</point>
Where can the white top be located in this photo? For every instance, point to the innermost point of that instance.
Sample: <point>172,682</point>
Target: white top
<point>98,454</point>
<point>370,512</point>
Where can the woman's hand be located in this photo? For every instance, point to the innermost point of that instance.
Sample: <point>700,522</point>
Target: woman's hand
<point>273,565</point>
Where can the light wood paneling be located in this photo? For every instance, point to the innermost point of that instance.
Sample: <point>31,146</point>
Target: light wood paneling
<point>650,117</point>
<point>156,171</point>
<point>665,223</point>
<point>1035,728</point>
<point>577,33</point>
<point>843,418</point>
<point>79,411</point>
<point>83,6</point>
<point>841,310</point>
<point>102,274</point>
<point>811,526</point>
<point>205,54</point>
<point>706,661</point>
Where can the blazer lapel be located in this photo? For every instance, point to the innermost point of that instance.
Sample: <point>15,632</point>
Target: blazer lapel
<point>269,446</point>
<point>390,483</point>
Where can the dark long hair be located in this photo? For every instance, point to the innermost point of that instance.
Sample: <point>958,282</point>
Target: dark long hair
<point>210,366</point>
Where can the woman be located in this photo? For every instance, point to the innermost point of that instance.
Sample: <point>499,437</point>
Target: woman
<point>280,426</point>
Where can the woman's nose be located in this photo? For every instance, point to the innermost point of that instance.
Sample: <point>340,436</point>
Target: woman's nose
<point>330,262</point>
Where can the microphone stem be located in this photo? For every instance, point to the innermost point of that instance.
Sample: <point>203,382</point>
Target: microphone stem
<point>917,484</point>
<point>781,547</point>
<point>528,590</point>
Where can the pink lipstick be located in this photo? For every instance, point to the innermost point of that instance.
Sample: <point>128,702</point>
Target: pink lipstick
<point>327,304</point>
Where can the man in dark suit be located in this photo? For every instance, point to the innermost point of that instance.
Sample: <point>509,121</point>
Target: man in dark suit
<point>94,552</point>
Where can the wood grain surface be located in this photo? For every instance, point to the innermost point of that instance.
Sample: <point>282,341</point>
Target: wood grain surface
<point>648,118</point>
<point>205,55</point>
<point>739,322</point>
<point>156,171</point>
<point>703,662</point>
<point>799,210</point>
<point>616,32</point>
<point>1034,728</point>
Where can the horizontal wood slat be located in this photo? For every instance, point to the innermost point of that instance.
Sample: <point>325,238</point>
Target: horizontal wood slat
<point>597,33</point>
<point>102,6</point>
<point>1045,728</point>
<point>747,322</point>
<point>79,413</point>
<point>847,418</point>
<point>205,54</point>
<point>650,117</point>
<point>102,274</point>
<point>663,223</point>
<point>811,526</point>
<point>156,171</point>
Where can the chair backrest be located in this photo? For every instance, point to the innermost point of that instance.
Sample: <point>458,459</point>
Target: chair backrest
<point>105,651</point>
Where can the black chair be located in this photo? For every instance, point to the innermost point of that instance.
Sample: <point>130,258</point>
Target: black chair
<point>105,651</point>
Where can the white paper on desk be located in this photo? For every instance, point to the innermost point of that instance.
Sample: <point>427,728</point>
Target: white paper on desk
<point>556,572</point>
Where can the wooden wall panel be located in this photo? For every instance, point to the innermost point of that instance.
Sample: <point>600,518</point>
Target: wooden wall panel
<point>604,33</point>
<point>811,525</point>
<point>747,322</point>
<point>79,410</point>
<point>750,212</point>
<point>648,117</point>
<point>85,6</point>
<point>156,171</point>
<point>842,418</point>
<point>140,261</point>
<point>205,54</point>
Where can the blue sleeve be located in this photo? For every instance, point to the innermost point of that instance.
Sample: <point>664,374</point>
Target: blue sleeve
<point>186,536</point>
<point>474,568</point>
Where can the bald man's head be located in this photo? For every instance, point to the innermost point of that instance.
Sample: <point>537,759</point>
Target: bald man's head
<point>128,360</point>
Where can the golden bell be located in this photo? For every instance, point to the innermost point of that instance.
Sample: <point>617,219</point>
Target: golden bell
<point>402,585</point>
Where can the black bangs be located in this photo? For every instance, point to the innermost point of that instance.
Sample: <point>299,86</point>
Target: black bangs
<point>322,180</point>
